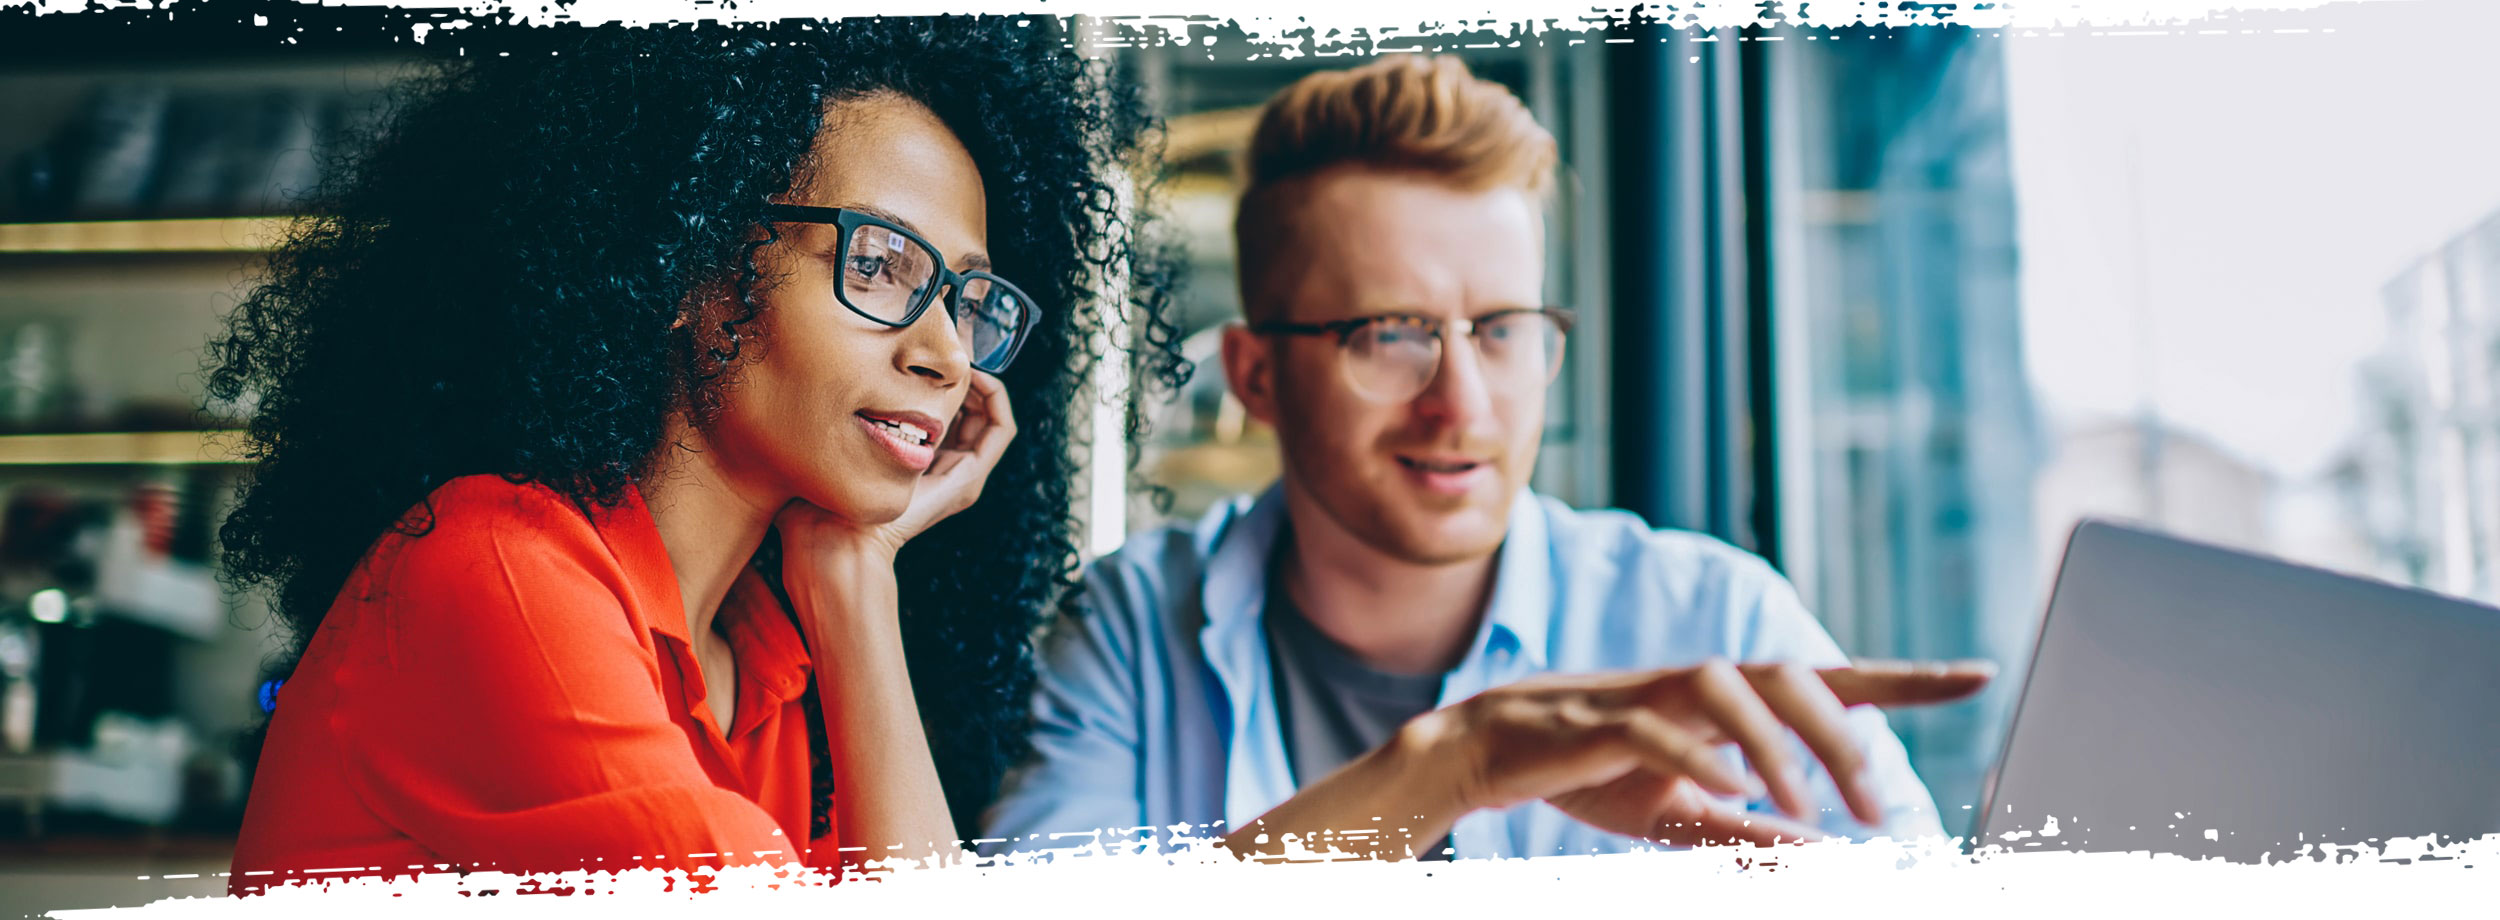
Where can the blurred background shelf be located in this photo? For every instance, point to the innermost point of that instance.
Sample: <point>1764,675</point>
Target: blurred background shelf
<point>208,234</point>
<point>120,448</point>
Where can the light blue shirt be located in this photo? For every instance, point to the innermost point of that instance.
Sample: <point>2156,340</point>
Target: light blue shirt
<point>1155,714</point>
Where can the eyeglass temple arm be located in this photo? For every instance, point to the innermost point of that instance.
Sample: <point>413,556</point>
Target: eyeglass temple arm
<point>1340,328</point>
<point>1562,319</point>
<point>803,213</point>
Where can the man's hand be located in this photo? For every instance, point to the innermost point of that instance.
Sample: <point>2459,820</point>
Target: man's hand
<point>1634,753</point>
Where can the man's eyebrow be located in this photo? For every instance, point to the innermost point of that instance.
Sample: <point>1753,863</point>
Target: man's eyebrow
<point>973,262</point>
<point>1366,309</point>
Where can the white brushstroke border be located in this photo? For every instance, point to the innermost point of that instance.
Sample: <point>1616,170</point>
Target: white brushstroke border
<point>1875,879</point>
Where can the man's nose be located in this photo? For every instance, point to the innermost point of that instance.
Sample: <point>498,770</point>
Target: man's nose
<point>1459,392</point>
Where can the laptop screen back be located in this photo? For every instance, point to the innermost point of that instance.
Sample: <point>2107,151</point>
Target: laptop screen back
<point>2192,700</point>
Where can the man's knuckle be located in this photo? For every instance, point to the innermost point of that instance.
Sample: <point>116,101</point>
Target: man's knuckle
<point>1718,674</point>
<point>1578,717</point>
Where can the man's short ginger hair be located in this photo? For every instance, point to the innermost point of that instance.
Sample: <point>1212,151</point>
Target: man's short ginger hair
<point>1409,114</point>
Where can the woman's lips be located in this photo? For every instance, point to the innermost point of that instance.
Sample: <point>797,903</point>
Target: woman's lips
<point>910,438</point>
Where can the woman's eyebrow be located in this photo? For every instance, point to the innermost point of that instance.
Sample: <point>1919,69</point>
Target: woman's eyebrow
<point>973,262</point>
<point>884,215</point>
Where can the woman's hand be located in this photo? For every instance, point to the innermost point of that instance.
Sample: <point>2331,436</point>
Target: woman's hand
<point>974,442</point>
<point>965,458</point>
<point>841,582</point>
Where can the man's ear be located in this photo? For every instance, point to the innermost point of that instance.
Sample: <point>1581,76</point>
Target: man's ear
<point>1250,369</point>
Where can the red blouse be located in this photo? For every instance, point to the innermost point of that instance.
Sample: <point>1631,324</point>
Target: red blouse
<point>514,691</point>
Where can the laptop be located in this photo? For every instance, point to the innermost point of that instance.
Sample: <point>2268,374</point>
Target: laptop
<point>2198,701</point>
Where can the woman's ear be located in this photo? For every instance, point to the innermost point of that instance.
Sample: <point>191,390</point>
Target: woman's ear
<point>709,302</point>
<point>695,304</point>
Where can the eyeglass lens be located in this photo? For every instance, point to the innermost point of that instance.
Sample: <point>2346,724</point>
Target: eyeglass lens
<point>886,274</point>
<point>1395,359</point>
<point>988,316</point>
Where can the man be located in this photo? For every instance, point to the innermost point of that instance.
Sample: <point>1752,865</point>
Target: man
<point>1400,650</point>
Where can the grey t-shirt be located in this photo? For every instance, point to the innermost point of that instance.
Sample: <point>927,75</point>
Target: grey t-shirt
<point>1331,706</point>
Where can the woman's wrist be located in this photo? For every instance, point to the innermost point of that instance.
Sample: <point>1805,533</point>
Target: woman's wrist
<point>841,582</point>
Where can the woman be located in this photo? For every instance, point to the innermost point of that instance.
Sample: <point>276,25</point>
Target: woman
<point>633,478</point>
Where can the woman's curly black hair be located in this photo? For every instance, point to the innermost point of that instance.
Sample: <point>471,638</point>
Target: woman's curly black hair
<point>494,284</point>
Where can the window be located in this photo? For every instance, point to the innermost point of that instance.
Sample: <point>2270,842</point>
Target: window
<point>2025,279</point>
<point>1898,339</point>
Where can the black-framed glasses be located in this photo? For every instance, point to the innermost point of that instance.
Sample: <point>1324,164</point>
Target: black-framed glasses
<point>1392,357</point>
<point>891,275</point>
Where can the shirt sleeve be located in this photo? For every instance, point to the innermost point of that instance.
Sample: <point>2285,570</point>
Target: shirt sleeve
<point>1784,631</point>
<point>1084,773</point>
<point>515,720</point>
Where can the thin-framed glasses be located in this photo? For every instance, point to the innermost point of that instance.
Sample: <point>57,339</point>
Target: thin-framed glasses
<point>1392,357</point>
<point>890,275</point>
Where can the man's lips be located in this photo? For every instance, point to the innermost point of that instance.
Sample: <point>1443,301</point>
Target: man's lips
<point>1430,463</point>
<point>1445,474</point>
